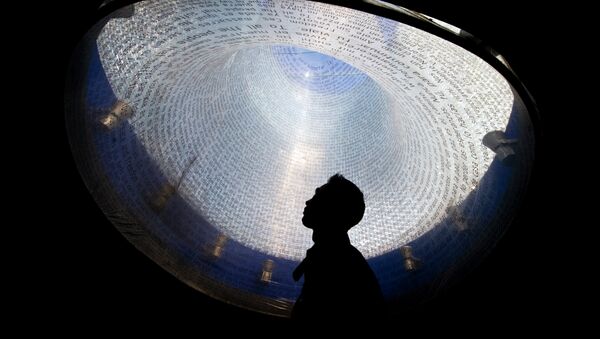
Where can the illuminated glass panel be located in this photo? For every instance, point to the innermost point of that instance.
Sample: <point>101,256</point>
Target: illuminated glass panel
<point>236,113</point>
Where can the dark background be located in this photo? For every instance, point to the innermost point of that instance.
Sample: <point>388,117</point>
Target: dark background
<point>101,281</point>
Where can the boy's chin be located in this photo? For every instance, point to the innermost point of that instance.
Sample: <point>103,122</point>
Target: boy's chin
<point>306,223</point>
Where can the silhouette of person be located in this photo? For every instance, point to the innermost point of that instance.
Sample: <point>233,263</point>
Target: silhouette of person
<point>338,285</point>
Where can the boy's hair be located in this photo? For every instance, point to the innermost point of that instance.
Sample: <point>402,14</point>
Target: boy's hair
<point>347,198</point>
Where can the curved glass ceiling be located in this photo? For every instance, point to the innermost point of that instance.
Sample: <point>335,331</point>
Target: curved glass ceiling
<point>208,125</point>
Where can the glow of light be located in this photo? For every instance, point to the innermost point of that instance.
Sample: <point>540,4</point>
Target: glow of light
<point>299,128</point>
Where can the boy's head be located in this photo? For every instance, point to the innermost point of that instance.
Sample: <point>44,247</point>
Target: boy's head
<point>338,205</point>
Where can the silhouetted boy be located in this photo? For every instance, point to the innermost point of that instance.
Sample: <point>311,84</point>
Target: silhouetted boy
<point>338,282</point>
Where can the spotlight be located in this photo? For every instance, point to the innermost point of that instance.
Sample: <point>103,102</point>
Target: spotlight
<point>410,263</point>
<point>501,145</point>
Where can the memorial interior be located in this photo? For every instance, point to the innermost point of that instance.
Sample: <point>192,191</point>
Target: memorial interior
<point>201,128</point>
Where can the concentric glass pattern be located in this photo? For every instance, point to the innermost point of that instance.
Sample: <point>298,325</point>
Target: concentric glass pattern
<point>203,127</point>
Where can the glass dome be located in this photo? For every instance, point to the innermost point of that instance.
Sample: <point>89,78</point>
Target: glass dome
<point>201,128</point>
